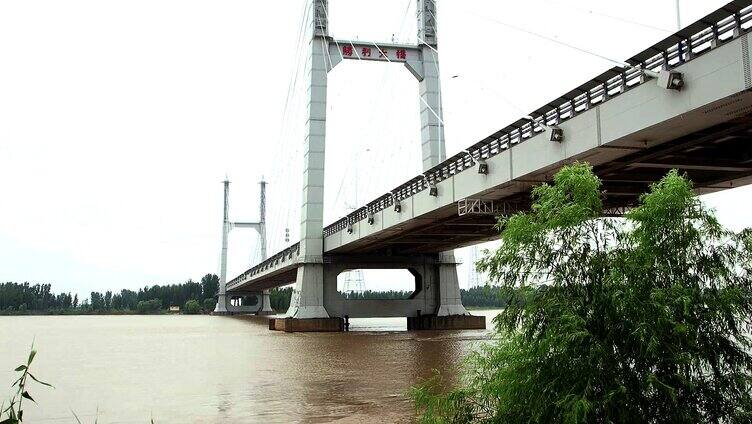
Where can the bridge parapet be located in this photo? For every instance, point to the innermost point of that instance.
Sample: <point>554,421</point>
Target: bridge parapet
<point>275,263</point>
<point>714,30</point>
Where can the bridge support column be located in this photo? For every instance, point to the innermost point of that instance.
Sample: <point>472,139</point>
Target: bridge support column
<point>225,306</point>
<point>433,145</point>
<point>266,304</point>
<point>308,295</point>
<point>221,308</point>
<point>450,299</point>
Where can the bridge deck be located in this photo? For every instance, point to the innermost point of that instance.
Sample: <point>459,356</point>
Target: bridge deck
<point>628,128</point>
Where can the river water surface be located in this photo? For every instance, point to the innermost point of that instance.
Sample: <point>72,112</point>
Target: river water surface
<point>207,369</point>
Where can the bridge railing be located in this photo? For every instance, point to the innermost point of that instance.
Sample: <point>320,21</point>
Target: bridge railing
<point>696,39</point>
<point>287,254</point>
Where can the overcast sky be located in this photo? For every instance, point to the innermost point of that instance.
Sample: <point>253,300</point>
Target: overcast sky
<point>119,119</point>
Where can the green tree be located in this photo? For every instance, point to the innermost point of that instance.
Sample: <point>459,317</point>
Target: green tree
<point>148,306</point>
<point>209,304</point>
<point>279,298</point>
<point>108,300</point>
<point>640,320</point>
<point>192,307</point>
<point>209,285</point>
<point>97,301</point>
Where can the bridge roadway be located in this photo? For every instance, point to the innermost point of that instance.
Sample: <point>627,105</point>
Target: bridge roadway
<point>631,130</point>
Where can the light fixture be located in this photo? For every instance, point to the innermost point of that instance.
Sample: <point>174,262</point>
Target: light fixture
<point>349,228</point>
<point>370,218</point>
<point>557,134</point>
<point>670,80</point>
<point>397,206</point>
<point>482,167</point>
<point>432,189</point>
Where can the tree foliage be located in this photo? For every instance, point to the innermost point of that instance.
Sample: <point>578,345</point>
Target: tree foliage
<point>644,319</point>
<point>210,285</point>
<point>192,307</point>
<point>209,304</point>
<point>39,297</point>
<point>35,297</point>
<point>148,306</point>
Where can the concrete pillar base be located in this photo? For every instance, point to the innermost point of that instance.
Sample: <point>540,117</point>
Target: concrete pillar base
<point>266,306</point>
<point>295,325</point>
<point>451,322</point>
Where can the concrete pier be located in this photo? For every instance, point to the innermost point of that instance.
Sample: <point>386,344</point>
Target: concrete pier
<point>450,322</point>
<point>423,322</point>
<point>307,325</point>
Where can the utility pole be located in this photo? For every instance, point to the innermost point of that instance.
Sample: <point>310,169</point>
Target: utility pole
<point>678,15</point>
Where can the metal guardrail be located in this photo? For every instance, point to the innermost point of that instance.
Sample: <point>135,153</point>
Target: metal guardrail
<point>488,207</point>
<point>714,30</point>
<point>706,34</point>
<point>289,253</point>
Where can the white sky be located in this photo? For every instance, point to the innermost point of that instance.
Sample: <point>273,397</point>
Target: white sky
<point>118,120</point>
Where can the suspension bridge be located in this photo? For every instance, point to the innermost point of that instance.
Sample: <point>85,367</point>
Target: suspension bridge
<point>683,103</point>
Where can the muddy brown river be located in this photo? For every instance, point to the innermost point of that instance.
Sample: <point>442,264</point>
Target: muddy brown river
<point>205,369</point>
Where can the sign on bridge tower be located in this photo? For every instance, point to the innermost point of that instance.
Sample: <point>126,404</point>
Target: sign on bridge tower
<point>422,60</point>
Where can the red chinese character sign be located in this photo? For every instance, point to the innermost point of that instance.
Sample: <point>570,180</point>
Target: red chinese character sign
<point>381,53</point>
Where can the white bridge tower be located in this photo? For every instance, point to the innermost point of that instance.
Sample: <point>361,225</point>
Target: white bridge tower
<point>223,304</point>
<point>422,60</point>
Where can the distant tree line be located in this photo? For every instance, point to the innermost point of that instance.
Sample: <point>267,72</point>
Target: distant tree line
<point>38,298</point>
<point>478,297</point>
<point>192,297</point>
<point>484,297</point>
<point>34,297</point>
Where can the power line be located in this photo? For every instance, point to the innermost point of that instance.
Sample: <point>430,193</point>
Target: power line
<point>279,178</point>
<point>569,6</point>
<point>547,38</point>
<point>379,153</point>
